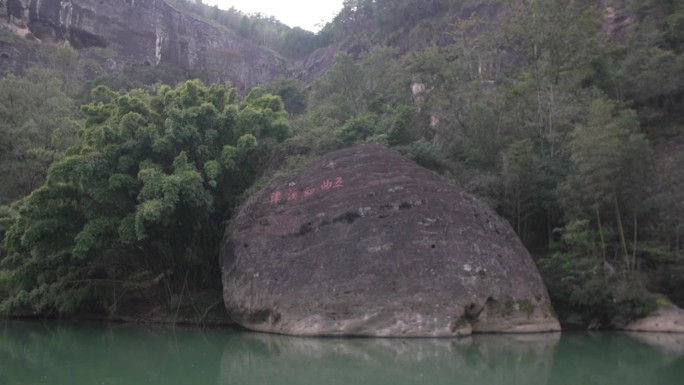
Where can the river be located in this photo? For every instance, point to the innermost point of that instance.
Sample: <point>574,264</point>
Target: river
<point>101,354</point>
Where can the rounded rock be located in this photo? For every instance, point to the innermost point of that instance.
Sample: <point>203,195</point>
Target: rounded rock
<point>364,242</point>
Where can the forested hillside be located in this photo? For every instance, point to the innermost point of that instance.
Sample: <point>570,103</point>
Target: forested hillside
<point>564,116</point>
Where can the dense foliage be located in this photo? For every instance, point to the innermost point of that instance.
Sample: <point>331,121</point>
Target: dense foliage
<point>37,122</point>
<point>563,116</point>
<point>140,202</point>
<point>545,110</point>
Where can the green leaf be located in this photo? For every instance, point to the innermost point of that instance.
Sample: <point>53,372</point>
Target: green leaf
<point>92,234</point>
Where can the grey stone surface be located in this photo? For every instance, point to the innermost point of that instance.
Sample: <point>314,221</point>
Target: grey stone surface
<point>145,32</point>
<point>666,319</point>
<point>365,242</point>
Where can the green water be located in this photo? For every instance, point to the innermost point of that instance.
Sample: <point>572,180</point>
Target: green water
<point>94,354</point>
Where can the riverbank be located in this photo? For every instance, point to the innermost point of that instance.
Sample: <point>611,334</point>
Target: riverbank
<point>187,314</point>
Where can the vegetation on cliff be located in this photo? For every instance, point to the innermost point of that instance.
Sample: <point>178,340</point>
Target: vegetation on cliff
<point>563,116</point>
<point>260,29</point>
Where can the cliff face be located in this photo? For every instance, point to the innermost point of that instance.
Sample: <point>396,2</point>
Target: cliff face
<point>144,32</point>
<point>151,32</point>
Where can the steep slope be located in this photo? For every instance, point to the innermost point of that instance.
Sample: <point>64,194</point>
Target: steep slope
<point>141,32</point>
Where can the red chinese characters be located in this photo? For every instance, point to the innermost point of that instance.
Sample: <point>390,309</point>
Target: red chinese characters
<point>276,196</point>
<point>292,194</point>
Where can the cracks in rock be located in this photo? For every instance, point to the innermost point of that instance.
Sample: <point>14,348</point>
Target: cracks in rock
<point>305,229</point>
<point>349,217</point>
<point>472,311</point>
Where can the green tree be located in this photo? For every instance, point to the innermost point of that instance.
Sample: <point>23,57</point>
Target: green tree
<point>291,92</point>
<point>586,292</point>
<point>140,204</point>
<point>339,94</point>
<point>521,172</point>
<point>385,80</point>
<point>611,166</point>
<point>366,99</point>
<point>651,66</point>
<point>37,122</point>
<point>358,128</point>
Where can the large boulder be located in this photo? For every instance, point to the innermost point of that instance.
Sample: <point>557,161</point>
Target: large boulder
<point>365,242</point>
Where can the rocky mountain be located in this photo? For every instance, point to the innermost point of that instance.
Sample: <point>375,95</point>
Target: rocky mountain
<point>153,32</point>
<point>135,32</point>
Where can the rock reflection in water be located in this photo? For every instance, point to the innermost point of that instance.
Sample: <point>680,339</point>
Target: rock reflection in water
<point>481,359</point>
<point>671,343</point>
<point>52,354</point>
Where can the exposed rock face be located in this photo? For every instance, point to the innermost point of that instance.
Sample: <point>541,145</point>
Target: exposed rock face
<point>365,242</point>
<point>666,319</point>
<point>315,65</point>
<point>145,32</point>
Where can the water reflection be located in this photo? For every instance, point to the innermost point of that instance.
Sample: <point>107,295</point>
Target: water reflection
<point>476,360</point>
<point>615,358</point>
<point>45,353</point>
<point>667,342</point>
